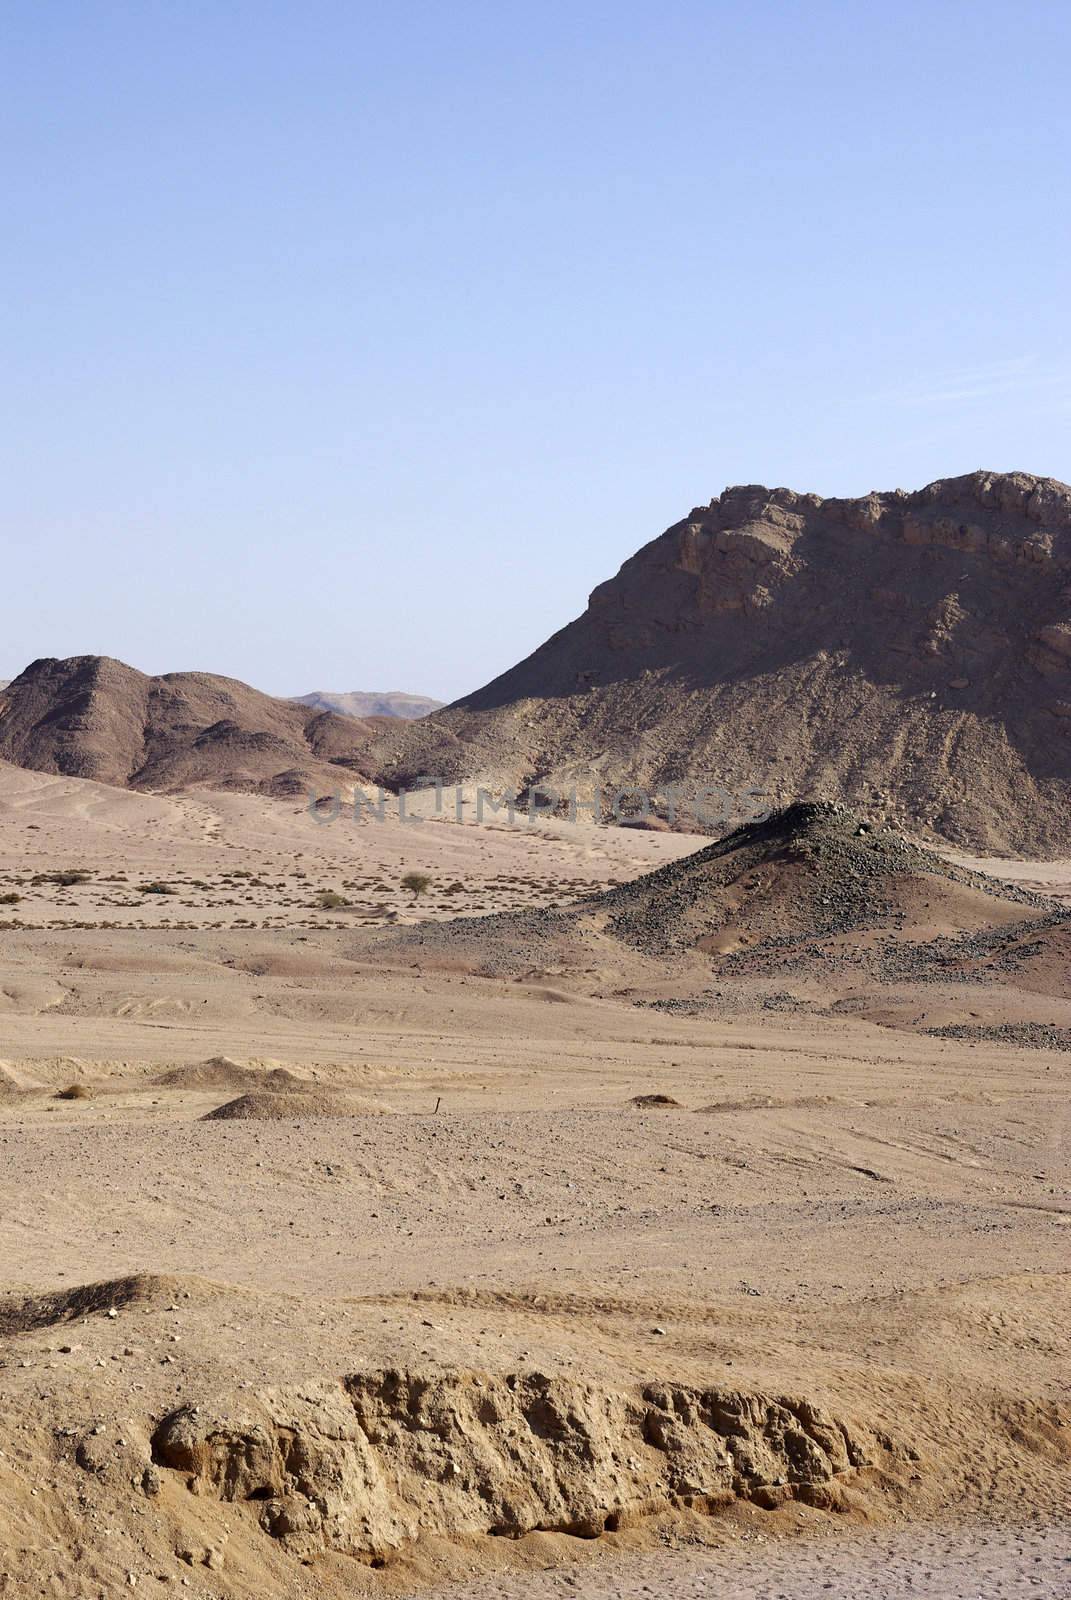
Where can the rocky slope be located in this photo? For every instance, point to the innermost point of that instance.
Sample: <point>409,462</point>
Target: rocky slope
<point>810,872</point>
<point>92,717</point>
<point>373,703</point>
<point>810,890</point>
<point>909,653</point>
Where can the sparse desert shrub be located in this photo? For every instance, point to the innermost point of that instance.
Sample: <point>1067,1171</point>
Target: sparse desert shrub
<point>328,900</point>
<point>417,883</point>
<point>65,879</point>
<point>10,899</point>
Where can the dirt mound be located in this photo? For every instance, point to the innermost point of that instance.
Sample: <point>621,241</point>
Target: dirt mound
<point>261,1107</point>
<point>385,1458</point>
<point>220,1072</point>
<point>92,717</point>
<point>768,1102</point>
<point>906,651</point>
<point>13,1080</point>
<point>25,1314</point>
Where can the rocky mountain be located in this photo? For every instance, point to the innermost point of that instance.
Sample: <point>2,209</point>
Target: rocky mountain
<point>906,653</point>
<point>371,703</point>
<point>93,717</point>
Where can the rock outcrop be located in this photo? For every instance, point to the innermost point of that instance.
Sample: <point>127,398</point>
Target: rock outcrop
<point>385,1458</point>
<point>909,653</point>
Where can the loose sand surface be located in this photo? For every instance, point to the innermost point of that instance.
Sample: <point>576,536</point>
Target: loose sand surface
<point>478,1311</point>
<point>921,1563</point>
<point>918,1564</point>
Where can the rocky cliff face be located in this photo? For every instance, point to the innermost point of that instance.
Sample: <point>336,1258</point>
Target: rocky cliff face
<point>906,652</point>
<point>383,1459</point>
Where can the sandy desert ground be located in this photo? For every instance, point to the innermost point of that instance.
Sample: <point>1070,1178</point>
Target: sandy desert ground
<point>536,1283</point>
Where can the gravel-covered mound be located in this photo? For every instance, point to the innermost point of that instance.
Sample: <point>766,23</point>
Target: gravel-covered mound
<point>814,868</point>
<point>812,883</point>
<point>258,1107</point>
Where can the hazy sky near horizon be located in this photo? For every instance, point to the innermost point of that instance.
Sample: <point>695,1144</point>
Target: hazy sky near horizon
<point>350,345</point>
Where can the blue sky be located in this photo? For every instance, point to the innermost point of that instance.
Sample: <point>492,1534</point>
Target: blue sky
<point>350,345</point>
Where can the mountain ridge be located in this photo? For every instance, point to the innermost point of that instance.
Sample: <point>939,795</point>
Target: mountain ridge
<point>95,717</point>
<point>909,652</point>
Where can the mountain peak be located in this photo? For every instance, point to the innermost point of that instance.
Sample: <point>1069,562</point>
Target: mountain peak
<point>905,650</point>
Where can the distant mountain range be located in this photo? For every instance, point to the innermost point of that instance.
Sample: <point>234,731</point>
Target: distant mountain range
<point>370,703</point>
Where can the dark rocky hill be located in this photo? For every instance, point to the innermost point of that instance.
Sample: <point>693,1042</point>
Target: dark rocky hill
<point>909,654</point>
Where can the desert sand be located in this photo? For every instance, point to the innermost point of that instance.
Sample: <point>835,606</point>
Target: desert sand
<point>614,1273</point>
